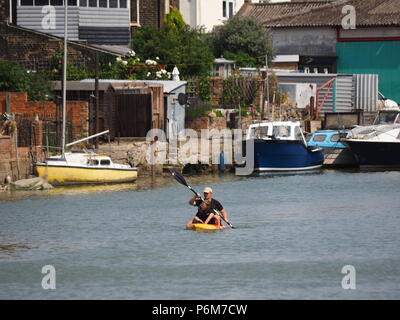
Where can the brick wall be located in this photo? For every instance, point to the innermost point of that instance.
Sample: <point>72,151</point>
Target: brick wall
<point>77,111</point>
<point>152,12</point>
<point>34,50</point>
<point>17,167</point>
<point>4,10</point>
<point>206,123</point>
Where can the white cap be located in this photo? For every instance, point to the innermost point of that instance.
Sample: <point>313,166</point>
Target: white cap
<point>208,190</point>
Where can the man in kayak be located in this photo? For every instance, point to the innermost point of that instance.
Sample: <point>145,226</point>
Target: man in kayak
<point>204,215</point>
<point>215,204</point>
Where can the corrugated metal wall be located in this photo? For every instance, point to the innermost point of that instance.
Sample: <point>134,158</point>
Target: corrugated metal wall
<point>344,93</point>
<point>359,91</point>
<point>103,17</point>
<point>366,96</point>
<point>109,20</point>
<point>31,18</point>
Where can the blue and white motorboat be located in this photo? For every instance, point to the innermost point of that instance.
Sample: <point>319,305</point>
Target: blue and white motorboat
<point>281,146</point>
<point>336,154</point>
<point>377,145</point>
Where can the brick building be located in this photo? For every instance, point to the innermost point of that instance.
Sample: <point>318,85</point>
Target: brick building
<point>314,32</point>
<point>150,12</point>
<point>34,49</point>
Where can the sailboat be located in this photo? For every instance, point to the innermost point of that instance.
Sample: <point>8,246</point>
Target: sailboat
<point>81,166</point>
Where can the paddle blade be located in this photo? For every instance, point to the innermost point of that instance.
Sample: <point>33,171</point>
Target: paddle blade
<point>178,177</point>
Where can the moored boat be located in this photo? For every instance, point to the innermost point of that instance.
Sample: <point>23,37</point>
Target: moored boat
<point>377,145</point>
<point>336,154</point>
<point>84,167</point>
<point>281,146</point>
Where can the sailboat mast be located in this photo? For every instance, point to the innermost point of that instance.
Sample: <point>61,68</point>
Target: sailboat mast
<point>64,118</point>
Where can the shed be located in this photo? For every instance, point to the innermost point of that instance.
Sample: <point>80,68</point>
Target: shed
<point>222,67</point>
<point>174,111</point>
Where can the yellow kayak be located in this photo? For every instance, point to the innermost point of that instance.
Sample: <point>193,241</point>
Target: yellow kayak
<point>202,226</point>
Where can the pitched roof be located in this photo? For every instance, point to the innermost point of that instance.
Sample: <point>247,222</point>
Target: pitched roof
<point>323,13</point>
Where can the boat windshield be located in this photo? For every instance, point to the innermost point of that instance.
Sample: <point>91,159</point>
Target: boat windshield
<point>319,137</point>
<point>386,117</point>
<point>260,132</point>
<point>298,134</point>
<point>281,131</point>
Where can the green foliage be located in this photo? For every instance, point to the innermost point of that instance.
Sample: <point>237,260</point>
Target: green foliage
<point>244,112</point>
<point>176,44</point>
<point>274,94</point>
<point>204,89</point>
<point>243,40</point>
<point>15,78</point>
<point>218,113</point>
<point>198,110</point>
<point>174,20</point>
<point>238,89</point>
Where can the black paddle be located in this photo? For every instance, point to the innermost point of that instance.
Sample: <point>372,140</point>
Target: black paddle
<point>178,177</point>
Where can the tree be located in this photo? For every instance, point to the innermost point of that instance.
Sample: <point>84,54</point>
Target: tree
<point>175,43</point>
<point>243,40</point>
<point>15,78</point>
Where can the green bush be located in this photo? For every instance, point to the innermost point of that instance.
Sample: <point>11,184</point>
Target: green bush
<point>218,113</point>
<point>13,77</point>
<point>198,110</point>
<point>176,44</point>
<point>244,40</point>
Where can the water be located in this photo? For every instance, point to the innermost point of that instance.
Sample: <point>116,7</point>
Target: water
<point>294,234</point>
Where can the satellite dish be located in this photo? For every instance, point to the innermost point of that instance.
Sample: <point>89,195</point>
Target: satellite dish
<point>182,98</point>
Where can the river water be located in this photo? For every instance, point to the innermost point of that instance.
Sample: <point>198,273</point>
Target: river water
<point>294,234</point>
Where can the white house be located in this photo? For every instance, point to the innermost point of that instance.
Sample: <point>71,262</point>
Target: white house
<point>208,13</point>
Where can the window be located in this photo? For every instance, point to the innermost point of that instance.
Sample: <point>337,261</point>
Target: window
<point>42,2</point>
<point>103,3</point>
<point>26,2</point>
<point>281,131</point>
<point>56,2</point>
<point>72,2</point>
<point>260,132</point>
<point>319,137</point>
<point>113,3</point>
<point>92,3</point>
<point>92,162</point>
<point>335,138</point>
<point>105,162</point>
<point>230,9</point>
<point>123,4</point>
<point>224,9</point>
<point>298,135</point>
<point>83,3</point>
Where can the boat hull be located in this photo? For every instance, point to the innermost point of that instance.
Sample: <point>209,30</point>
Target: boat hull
<point>285,155</point>
<point>339,157</point>
<point>375,154</point>
<point>204,227</point>
<point>71,175</point>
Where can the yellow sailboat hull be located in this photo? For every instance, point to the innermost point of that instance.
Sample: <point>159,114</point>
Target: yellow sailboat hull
<point>70,174</point>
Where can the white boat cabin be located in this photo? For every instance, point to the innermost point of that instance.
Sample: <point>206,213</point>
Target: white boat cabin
<point>84,159</point>
<point>276,130</point>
